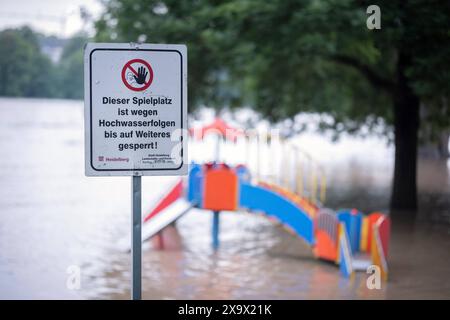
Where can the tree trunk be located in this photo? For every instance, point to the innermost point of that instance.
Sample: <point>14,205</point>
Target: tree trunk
<point>406,127</point>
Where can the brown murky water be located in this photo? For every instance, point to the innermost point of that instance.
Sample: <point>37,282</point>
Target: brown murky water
<point>52,218</point>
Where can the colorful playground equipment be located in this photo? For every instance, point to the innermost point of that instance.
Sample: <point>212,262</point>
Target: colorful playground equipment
<point>349,238</point>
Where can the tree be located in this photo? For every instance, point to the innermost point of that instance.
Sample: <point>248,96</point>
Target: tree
<point>211,54</point>
<point>70,68</point>
<point>24,70</point>
<point>288,56</point>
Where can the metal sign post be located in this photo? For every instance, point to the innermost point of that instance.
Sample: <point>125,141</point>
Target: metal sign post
<point>135,98</point>
<point>136,237</point>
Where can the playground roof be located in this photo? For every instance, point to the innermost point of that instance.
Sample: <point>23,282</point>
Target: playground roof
<point>218,126</point>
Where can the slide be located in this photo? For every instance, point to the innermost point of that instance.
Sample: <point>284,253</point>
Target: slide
<point>259,198</point>
<point>171,196</point>
<point>164,218</point>
<point>160,221</point>
<point>304,204</point>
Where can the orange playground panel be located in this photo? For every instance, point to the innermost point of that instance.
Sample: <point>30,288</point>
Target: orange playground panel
<point>221,189</point>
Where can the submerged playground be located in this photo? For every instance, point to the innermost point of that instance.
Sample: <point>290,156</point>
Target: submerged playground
<point>347,237</point>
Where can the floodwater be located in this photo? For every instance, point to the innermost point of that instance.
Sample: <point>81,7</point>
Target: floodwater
<point>54,221</point>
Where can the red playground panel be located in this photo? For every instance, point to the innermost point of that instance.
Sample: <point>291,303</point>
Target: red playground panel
<point>372,219</point>
<point>384,228</point>
<point>175,193</point>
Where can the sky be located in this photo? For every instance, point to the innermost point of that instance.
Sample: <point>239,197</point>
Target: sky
<point>50,17</point>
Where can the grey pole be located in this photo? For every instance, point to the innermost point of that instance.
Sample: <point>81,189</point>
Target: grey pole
<point>136,239</point>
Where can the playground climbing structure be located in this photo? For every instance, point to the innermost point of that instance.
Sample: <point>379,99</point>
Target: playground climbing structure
<point>295,199</point>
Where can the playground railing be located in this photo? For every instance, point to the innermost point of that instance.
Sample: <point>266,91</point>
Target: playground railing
<point>274,159</point>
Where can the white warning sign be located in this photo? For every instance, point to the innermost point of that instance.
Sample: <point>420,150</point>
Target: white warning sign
<point>135,109</point>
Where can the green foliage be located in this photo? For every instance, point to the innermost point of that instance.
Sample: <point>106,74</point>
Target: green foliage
<point>287,56</point>
<point>71,68</point>
<point>26,72</point>
<point>22,71</point>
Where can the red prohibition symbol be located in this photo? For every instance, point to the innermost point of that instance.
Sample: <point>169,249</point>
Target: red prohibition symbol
<point>138,77</point>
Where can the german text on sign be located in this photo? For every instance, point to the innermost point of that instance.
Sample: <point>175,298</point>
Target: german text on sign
<point>135,109</point>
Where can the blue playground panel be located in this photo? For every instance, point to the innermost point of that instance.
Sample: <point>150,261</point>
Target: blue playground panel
<point>352,224</point>
<point>344,264</point>
<point>195,189</point>
<point>257,198</point>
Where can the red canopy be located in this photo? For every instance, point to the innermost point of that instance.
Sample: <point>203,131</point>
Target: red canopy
<point>218,126</point>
